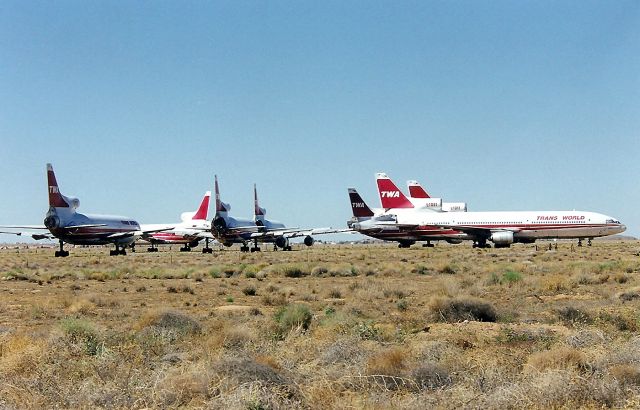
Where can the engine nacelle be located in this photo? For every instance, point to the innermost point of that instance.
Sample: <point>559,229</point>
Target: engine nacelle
<point>504,238</point>
<point>454,241</point>
<point>219,225</point>
<point>309,241</point>
<point>72,201</point>
<point>282,242</point>
<point>454,206</point>
<point>52,221</point>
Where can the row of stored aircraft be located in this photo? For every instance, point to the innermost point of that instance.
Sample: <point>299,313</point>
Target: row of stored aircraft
<point>65,223</point>
<point>406,220</point>
<point>418,218</point>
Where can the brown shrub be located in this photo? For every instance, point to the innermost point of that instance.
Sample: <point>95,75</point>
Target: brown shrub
<point>390,362</point>
<point>626,374</point>
<point>458,310</point>
<point>558,358</point>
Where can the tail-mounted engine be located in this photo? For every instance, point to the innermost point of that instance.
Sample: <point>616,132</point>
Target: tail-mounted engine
<point>52,221</point>
<point>220,225</point>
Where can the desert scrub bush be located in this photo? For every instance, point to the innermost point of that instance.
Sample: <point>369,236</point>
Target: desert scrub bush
<point>421,270</point>
<point>459,309</point>
<point>630,295</point>
<point>291,270</point>
<point>517,336</point>
<point>342,270</point>
<point>278,299</point>
<point>81,332</point>
<point>170,320</point>
<point>626,374</point>
<point>511,276</point>
<point>272,388</point>
<point>345,350</point>
<point>389,362</point>
<point>292,317</point>
<point>250,290</point>
<point>402,305</point>
<point>319,270</point>
<point>572,316</point>
<point>622,322</point>
<point>553,284</point>
<point>558,358</point>
<point>449,269</point>
<point>430,375</point>
<point>586,338</point>
<point>335,293</point>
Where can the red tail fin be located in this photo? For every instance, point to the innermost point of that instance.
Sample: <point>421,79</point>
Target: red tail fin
<point>358,206</point>
<point>416,190</point>
<point>390,195</point>
<point>203,210</point>
<point>55,197</point>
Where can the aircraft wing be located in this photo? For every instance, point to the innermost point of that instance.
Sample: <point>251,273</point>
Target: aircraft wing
<point>477,231</point>
<point>36,236</point>
<point>139,234</point>
<point>296,232</point>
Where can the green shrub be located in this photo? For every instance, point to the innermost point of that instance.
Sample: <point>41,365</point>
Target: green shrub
<point>80,331</point>
<point>294,316</point>
<point>249,290</point>
<point>511,276</point>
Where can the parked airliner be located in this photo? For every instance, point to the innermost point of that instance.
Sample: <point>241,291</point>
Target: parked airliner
<point>70,226</point>
<point>229,230</point>
<point>406,225</point>
<point>194,227</point>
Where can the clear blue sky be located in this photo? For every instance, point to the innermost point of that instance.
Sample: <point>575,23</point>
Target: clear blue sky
<point>528,105</point>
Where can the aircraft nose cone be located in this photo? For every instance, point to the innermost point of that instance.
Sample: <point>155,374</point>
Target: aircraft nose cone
<point>623,228</point>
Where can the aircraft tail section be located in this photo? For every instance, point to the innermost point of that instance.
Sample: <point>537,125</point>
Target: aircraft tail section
<point>358,206</point>
<point>258,212</point>
<point>203,210</point>
<point>390,195</point>
<point>221,207</point>
<point>416,190</point>
<point>56,199</point>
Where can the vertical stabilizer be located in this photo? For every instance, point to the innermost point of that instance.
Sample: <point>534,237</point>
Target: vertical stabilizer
<point>390,195</point>
<point>358,206</point>
<point>221,207</point>
<point>203,210</point>
<point>416,190</point>
<point>258,213</point>
<point>56,199</point>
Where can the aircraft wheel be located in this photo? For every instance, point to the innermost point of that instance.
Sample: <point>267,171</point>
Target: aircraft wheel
<point>122,252</point>
<point>58,254</point>
<point>113,253</point>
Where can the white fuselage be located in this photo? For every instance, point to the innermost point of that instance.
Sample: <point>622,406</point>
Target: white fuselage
<point>524,226</point>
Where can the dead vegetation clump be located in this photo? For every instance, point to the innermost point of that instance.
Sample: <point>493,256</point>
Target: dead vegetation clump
<point>572,316</point>
<point>344,350</point>
<point>557,358</point>
<point>461,309</point>
<point>171,321</point>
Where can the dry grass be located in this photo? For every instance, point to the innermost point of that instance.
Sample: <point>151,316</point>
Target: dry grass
<point>322,327</point>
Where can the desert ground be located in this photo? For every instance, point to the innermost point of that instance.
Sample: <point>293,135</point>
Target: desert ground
<point>330,327</point>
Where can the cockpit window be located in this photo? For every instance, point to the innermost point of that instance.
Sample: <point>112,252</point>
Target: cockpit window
<point>613,221</point>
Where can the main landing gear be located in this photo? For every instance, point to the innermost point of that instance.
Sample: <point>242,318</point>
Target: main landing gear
<point>206,248</point>
<point>255,247</point>
<point>588,241</point>
<point>118,251</point>
<point>61,253</point>
<point>185,248</point>
<point>428,245</point>
<point>152,248</point>
<point>482,243</point>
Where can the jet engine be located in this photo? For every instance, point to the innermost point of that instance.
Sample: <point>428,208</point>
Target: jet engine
<point>219,224</point>
<point>73,202</point>
<point>454,241</point>
<point>52,221</point>
<point>282,242</point>
<point>308,240</point>
<point>502,239</point>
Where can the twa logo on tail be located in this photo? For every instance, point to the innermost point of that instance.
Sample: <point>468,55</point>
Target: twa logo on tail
<point>390,194</point>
